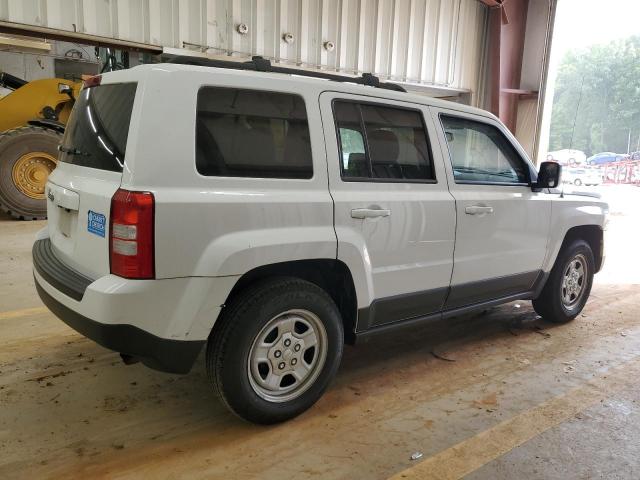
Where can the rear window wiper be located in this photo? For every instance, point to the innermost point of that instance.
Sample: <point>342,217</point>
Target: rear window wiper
<point>73,151</point>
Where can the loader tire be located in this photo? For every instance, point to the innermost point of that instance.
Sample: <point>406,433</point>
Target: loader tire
<point>27,156</point>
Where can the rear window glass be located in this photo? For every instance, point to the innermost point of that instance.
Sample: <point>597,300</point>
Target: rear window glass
<point>248,133</point>
<point>96,134</point>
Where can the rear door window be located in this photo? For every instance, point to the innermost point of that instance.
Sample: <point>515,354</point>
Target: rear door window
<point>354,156</point>
<point>251,133</point>
<point>382,143</point>
<point>97,132</point>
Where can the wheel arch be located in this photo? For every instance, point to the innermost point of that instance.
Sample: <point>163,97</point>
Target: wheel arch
<point>332,275</point>
<point>593,235</point>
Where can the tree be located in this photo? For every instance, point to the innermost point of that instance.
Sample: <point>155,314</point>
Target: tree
<point>598,88</point>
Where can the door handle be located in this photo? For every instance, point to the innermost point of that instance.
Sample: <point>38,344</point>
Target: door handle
<point>478,210</point>
<point>370,212</point>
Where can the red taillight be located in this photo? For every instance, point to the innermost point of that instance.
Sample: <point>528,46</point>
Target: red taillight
<point>131,234</point>
<point>92,81</point>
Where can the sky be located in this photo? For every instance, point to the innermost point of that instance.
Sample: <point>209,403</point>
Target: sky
<point>580,23</point>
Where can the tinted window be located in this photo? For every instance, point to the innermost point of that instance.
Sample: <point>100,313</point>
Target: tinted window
<point>97,131</point>
<point>246,133</point>
<point>354,158</point>
<point>481,153</point>
<point>382,142</point>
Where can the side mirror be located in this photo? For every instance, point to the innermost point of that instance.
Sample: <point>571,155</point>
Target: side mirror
<point>549,175</point>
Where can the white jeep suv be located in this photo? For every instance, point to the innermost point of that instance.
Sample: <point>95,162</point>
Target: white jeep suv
<point>273,217</point>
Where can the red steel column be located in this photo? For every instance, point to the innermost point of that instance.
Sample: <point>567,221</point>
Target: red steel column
<point>506,35</point>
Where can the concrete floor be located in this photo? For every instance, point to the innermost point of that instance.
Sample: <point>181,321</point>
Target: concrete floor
<point>499,395</point>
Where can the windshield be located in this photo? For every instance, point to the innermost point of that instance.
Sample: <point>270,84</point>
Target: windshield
<point>96,135</point>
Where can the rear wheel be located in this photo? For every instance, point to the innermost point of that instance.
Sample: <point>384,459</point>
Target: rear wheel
<point>27,156</point>
<point>276,349</point>
<point>569,284</point>
<point>577,182</point>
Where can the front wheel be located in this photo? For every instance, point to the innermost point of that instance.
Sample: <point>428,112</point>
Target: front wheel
<point>577,182</point>
<point>277,348</point>
<point>569,284</point>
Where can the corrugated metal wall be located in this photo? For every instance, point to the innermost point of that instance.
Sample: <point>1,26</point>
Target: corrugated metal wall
<point>435,42</point>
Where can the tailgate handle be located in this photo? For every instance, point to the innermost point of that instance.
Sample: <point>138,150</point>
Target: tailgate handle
<point>64,198</point>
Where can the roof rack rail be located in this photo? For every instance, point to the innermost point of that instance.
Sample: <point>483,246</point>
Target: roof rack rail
<point>260,64</point>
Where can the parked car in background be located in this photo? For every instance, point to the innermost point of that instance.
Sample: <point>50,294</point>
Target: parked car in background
<point>581,176</point>
<point>635,156</point>
<point>606,157</point>
<point>567,157</point>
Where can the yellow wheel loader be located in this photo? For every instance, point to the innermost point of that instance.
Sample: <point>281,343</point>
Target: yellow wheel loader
<point>32,120</point>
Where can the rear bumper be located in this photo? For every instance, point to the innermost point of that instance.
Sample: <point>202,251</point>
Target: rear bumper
<point>56,273</point>
<point>163,322</point>
<point>172,356</point>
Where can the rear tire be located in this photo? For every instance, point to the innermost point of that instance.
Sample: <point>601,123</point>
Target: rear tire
<point>569,284</point>
<point>577,182</point>
<point>261,359</point>
<point>27,156</point>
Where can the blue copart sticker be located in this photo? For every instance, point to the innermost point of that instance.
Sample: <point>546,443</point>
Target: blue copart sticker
<point>96,223</point>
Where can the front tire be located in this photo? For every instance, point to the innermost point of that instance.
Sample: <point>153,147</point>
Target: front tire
<point>569,284</point>
<point>276,349</point>
<point>577,182</point>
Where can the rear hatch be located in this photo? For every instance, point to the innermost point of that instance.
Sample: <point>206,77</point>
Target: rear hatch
<point>91,161</point>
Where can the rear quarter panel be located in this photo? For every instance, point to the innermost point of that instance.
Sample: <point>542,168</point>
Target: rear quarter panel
<point>219,226</point>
